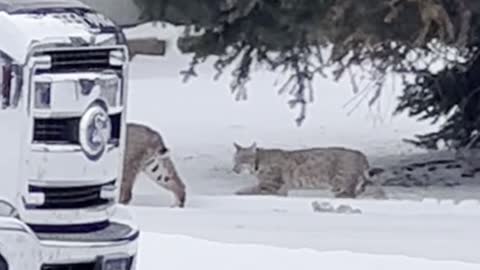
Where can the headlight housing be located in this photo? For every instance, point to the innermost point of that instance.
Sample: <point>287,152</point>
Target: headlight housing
<point>110,90</point>
<point>117,58</point>
<point>95,131</point>
<point>43,95</point>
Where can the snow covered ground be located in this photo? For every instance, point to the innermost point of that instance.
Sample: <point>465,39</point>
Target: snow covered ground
<point>186,253</point>
<point>424,230</point>
<point>200,120</point>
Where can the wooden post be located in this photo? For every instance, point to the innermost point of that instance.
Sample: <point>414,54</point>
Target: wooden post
<point>146,46</point>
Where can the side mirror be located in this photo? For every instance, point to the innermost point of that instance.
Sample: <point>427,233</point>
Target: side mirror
<point>5,83</point>
<point>9,82</point>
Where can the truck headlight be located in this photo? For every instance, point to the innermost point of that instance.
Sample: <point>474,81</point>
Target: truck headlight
<point>117,58</point>
<point>42,95</point>
<point>95,131</point>
<point>110,90</point>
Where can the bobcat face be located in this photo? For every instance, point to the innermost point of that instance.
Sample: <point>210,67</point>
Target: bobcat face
<point>244,158</point>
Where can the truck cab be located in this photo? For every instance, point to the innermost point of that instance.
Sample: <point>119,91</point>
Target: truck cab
<point>63,89</point>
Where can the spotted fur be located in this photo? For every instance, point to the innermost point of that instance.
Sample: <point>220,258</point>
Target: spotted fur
<point>146,152</point>
<point>343,171</point>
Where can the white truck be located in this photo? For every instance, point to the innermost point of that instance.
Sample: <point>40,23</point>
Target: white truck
<point>63,89</point>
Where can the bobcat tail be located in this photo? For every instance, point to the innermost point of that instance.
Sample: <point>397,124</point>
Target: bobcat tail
<point>371,173</point>
<point>368,179</point>
<point>375,171</point>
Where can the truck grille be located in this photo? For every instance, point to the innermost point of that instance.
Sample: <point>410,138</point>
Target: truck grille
<point>65,130</point>
<point>70,266</point>
<point>70,197</point>
<point>65,61</point>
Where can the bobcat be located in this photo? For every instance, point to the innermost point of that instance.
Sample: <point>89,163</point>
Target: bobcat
<point>146,151</point>
<point>345,172</point>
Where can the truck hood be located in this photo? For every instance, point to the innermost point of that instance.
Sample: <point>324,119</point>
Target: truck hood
<point>20,31</point>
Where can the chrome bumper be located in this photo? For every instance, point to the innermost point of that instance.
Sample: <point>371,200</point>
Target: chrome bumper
<point>69,216</point>
<point>118,239</point>
<point>29,250</point>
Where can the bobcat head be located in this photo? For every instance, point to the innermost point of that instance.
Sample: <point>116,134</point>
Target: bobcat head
<point>244,158</point>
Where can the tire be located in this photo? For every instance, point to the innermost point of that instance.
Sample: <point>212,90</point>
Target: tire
<point>3,263</point>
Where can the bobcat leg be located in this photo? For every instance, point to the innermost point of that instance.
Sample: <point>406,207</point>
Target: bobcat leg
<point>126,187</point>
<point>257,190</point>
<point>344,192</point>
<point>252,190</point>
<point>269,183</point>
<point>125,195</point>
<point>283,190</point>
<point>131,168</point>
<point>160,169</point>
<point>375,191</point>
<point>344,185</point>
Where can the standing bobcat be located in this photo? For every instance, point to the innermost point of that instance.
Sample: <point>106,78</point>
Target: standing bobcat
<point>145,151</point>
<point>345,172</point>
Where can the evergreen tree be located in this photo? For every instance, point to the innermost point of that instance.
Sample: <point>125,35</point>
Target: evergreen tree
<point>375,36</point>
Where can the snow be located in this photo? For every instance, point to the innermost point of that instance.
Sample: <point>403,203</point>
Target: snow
<point>433,227</point>
<point>182,253</point>
<point>415,229</point>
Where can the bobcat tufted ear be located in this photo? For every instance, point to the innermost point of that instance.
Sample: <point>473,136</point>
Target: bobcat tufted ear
<point>237,146</point>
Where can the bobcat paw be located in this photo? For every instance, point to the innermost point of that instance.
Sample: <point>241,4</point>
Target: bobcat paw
<point>177,205</point>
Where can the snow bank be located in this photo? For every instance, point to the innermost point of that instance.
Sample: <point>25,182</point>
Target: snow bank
<point>428,229</point>
<point>186,253</point>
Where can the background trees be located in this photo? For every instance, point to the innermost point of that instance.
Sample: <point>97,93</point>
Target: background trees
<point>431,43</point>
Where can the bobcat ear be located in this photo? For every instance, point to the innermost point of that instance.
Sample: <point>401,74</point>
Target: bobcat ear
<point>237,146</point>
<point>254,146</point>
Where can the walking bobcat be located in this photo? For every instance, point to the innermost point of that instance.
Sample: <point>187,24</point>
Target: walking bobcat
<point>146,151</point>
<point>344,171</point>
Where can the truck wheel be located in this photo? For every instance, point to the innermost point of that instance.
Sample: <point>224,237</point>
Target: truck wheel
<point>3,263</point>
